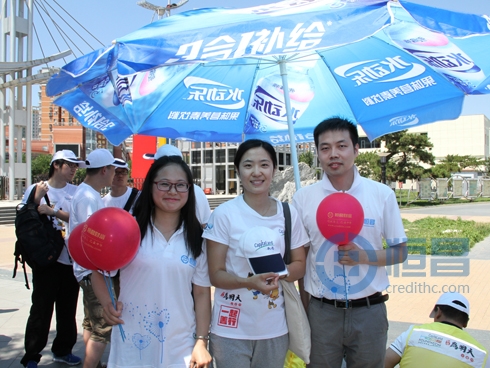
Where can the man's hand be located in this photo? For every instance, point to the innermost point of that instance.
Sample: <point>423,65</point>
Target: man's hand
<point>351,254</point>
<point>44,209</point>
<point>41,190</point>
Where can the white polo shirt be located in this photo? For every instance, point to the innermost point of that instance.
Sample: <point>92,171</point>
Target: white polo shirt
<point>324,275</point>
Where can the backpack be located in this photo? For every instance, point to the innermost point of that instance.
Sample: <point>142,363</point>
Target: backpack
<point>38,243</point>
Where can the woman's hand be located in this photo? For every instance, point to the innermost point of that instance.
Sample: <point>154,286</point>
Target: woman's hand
<point>200,357</point>
<point>111,315</point>
<point>264,282</point>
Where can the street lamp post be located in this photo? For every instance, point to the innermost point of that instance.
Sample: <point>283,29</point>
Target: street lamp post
<point>383,159</point>
<point>161,10</point>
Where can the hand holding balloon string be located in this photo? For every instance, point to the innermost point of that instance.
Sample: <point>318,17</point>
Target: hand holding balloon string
<point>108,283</point>
<point>340,218</point>
<point>97,244</point>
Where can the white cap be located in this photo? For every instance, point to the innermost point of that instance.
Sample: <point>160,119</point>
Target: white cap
<point>262,248</point>
<point>120,163</point>
<point>66,155</point>
<point>455,300</point>
<point>165,150</point>
<point>100,158</point>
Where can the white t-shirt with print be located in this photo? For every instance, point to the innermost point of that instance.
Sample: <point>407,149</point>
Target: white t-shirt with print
<point>242,313</point>
<point>60,199</point>
<point>324,275</point>
<point>158,311</point>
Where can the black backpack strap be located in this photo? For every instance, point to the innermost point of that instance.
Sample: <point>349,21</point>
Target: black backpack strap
<point>30,199</point>
<point>287,232</point>
<point>132,197</point>
<point>19,258</point>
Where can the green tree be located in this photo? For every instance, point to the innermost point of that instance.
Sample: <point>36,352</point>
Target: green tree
<point>369,165</point>
<point>79,176</point>
<point>407,153</point>
<point>486,164</point>
<point>443,170</point>
<point>40,167</point>
<point>307,158</point>
<point>456,163</point>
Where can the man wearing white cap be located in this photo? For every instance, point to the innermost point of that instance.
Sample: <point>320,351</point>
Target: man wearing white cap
<point>442,343</point>
<point>100,166</point>
<point>121,195</point>
<point>54,285</point>
<point>203,211</point>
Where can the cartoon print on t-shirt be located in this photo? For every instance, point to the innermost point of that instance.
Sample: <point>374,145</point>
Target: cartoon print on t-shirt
<point>274,294</point>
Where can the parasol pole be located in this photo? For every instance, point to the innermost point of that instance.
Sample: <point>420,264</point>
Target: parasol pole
<point>292,138</point>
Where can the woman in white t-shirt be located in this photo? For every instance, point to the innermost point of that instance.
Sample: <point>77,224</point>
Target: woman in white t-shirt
<point>165,302</point>
<point>248,328</point>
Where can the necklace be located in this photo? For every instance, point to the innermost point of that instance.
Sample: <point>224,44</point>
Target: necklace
<point>262,213</point>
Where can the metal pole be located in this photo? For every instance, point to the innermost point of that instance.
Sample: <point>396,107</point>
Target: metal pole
<point>292,138</point>
<point>12,38</point>
<point>30,20</point>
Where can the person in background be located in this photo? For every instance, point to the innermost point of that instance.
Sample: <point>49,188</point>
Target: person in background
<point>165,300</point>
<point>54,285</point>
<point>347,310</point>
<point>100,168</point>
<point>121,194</point>
<point>442,343</point>
<point>248,328</point>
<point>203,211</point>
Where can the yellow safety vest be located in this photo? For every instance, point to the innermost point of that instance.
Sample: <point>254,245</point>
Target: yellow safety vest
<point>442,345</point>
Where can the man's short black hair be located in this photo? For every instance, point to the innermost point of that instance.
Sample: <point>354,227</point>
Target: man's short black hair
<point>336,124</point>
<point>452,313</point>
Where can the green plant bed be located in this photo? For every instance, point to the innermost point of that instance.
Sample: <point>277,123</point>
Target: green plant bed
<point>443,236</point>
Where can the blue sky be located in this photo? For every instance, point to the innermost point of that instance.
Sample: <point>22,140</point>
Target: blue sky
<point>110,19</point>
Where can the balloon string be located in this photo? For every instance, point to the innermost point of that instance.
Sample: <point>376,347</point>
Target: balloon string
<point>345,288</point>
<point>108,283</point>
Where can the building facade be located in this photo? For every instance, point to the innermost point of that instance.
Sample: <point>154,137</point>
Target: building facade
<point>212,163</point>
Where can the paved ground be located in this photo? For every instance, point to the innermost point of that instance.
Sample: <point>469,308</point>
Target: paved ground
<point>411,296</point>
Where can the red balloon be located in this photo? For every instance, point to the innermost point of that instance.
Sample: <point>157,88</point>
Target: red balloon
<point>111,238</point>
<point>340,218</point>
<point>76,250</point>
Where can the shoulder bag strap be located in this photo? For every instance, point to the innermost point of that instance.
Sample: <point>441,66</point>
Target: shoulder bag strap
<point>130,201</point>
<point>287,232</point>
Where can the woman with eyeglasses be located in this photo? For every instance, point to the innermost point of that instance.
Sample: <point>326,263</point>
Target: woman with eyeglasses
<point>248,328</point>
<point>165,302</point>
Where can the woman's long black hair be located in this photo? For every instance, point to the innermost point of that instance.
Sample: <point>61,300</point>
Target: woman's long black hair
<point>144,208</point>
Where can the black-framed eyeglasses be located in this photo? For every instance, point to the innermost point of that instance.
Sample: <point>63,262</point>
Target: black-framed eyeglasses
<point>166,186</point>
<point>122,172</point>
<point>71,165</point>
